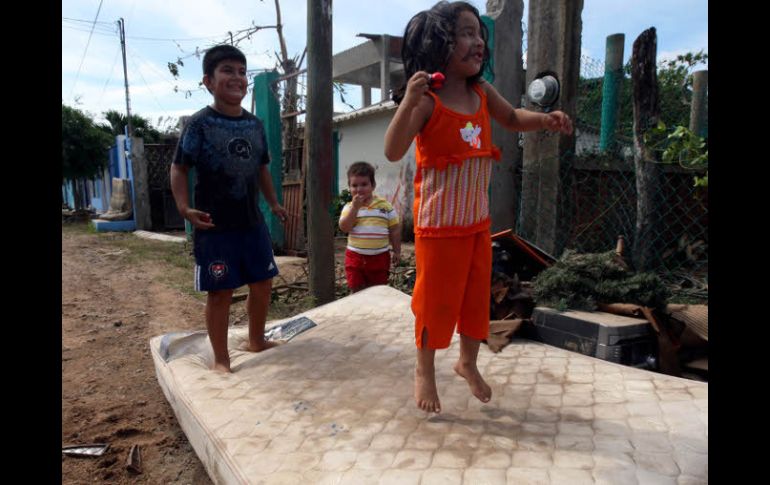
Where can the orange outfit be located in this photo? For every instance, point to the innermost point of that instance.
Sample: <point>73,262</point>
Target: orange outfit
<point>453,248</point>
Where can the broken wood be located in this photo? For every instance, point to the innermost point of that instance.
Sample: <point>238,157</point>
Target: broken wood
<point>501,332</point>
<point>668,338</point>
<point>499,292</point>
<point>695,317</point>
<point>134,460</point>
<point>621,246</point>
<point>296,284</point>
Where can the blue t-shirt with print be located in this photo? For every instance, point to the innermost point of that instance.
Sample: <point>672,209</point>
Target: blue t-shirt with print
<point>227,153</point>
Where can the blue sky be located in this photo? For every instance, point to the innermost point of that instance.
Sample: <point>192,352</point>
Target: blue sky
<point>159,31</point>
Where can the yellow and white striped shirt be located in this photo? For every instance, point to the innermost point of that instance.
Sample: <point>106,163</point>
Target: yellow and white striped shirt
<point>370,234</point>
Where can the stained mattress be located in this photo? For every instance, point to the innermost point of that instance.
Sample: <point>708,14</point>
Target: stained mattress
<point>335,405</point>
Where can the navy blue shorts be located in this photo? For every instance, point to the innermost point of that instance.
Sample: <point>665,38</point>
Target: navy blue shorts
<point>229,260</point>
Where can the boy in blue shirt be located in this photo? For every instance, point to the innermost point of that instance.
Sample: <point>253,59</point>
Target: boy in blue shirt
<point>228,147</point>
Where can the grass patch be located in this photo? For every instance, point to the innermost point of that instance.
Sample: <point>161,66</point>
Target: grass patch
<point>284,308</point>
<point>177,258</point>
<point>178,263</point>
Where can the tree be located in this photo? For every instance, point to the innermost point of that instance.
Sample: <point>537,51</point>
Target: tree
<point>142,126</point>
<point>83,146</point>
<point>288,67</point>
<point>672,139</point>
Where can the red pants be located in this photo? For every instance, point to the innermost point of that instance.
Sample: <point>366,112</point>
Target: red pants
<point>363,271</point>
<point>452,287</point>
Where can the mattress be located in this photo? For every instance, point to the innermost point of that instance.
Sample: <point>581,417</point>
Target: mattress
<point>335,405</point>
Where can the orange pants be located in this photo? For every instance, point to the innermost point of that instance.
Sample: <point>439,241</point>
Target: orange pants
<point>452,287</point>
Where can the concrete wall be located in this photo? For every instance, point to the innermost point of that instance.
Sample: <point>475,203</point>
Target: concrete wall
<point>69,193</point>
<point>95,191</point>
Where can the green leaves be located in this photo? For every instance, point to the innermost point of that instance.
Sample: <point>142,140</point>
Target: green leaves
<point>173,69</point>
<point>84,145</point>
<point>681,147</point>
<point>141,126</point>
<point>580,281</point>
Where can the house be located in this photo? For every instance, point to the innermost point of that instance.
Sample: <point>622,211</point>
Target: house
<point>95,194</point>
<point>361,136</point>
<point>361,133</point>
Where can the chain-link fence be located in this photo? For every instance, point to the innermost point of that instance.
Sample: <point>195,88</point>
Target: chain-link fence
<point>586,198</point>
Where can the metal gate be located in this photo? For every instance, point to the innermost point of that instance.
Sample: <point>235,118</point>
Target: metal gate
<point>163,212</point>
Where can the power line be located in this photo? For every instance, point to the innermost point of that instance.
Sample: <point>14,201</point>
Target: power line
<point>151,66</point>
<point>162,39</point>
<point>98,31</point>
<point>190,91</point>
<point>148,86</point>
<point>112,69</point>
<point>86,49</point>
<point>86,21</point>
<point>158,39</point>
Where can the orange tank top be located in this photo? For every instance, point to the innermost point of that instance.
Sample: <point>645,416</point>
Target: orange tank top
<point>454,155</point>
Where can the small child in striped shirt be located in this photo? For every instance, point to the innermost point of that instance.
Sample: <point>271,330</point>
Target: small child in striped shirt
<point>371,223</point>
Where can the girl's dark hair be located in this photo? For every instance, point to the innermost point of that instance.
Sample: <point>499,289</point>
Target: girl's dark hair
<point>429,41</point>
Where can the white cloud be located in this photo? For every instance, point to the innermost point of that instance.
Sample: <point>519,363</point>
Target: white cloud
<point>681,28</point>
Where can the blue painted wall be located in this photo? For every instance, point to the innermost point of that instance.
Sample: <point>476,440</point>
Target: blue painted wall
<point>96,196</point>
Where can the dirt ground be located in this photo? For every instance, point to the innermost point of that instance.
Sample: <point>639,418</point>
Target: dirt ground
<point>111,307</point>
<point>118,291</point>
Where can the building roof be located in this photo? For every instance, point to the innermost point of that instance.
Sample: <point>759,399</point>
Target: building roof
<point>380,107</point>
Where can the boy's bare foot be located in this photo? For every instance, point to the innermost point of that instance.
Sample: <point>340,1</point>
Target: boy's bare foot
<point>478,386</point>
<point>223,368</point>
<point>267,344</point>
<point>425,393</point>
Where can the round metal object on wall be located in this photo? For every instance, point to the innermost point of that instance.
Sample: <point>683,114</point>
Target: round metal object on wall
<point>544,91</point>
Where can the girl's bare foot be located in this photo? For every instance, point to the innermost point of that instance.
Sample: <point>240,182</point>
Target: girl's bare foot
<point>479,387</point>
<point>425,393</point>
<point>223,368</point>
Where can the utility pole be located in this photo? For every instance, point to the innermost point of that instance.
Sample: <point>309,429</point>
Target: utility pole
<point>121,24</point>
<point>505,47</point>
<point>318,134</point>
<point>553,40</point>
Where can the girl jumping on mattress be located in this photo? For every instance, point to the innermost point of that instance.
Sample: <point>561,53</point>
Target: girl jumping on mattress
<point>450,124</point>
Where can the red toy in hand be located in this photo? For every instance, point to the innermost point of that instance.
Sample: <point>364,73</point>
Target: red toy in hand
<point>437,80</point>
